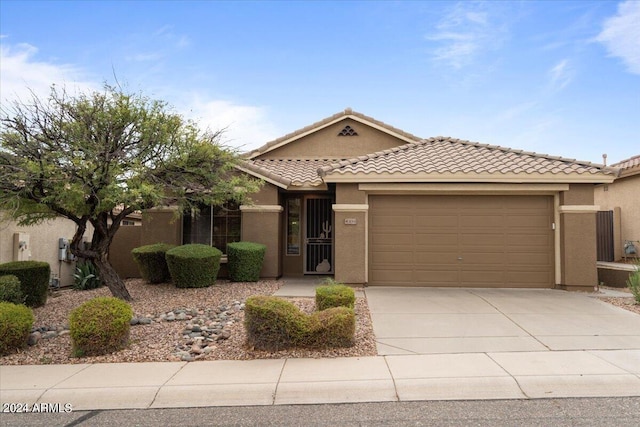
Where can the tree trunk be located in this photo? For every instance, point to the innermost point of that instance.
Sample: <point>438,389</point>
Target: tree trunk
<point>111,278</point>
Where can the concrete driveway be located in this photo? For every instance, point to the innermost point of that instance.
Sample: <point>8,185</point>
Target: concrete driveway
<point>445,320</point>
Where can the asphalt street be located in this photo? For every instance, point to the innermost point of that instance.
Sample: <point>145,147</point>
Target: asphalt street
<point>622,411</point>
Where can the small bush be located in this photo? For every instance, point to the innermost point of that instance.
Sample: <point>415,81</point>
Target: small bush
<point>333,327</point>
<point>34,280</point>
<point>10,289</point>
<point>245,261</point>
<point>273,324</point>
<point>86,277</point>
<point>334,295</point>
<point>633,282</point>
<point>100,326</point>
<point>194,265</point>
<point>16,321</point>
<point>151,260</point>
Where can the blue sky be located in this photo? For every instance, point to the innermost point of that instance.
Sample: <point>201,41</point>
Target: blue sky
<point>555,77</point>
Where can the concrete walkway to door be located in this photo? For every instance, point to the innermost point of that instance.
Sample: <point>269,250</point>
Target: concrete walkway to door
<point>455,320</point>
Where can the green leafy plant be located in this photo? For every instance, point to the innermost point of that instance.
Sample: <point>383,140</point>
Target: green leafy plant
<point>100,326</point>
<point>16,321</point>
<point>194,265</point>
<point>633,282</point>
<point>273,324</point>
<point>34,280</point>
<point>334,295</point>
<point>86,277</point>
<point>10,289</point>
<point>244,260</point>
<point>152,262</point>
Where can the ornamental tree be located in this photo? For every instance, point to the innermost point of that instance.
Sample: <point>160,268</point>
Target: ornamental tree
<point>95,158</point>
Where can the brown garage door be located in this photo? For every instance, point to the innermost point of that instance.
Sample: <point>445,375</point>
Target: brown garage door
<point>475,241</point>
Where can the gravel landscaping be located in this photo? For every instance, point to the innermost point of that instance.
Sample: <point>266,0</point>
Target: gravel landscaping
<point>172,324</point>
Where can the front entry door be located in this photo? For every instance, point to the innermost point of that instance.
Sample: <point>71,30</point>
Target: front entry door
<point>318,236</point>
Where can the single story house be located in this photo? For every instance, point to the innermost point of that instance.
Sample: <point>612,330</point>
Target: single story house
<point>353,197</point>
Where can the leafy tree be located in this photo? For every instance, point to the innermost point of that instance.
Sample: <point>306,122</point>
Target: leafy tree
<point>96,158</point>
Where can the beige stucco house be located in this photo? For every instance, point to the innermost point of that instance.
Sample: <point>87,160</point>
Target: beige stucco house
<point>622,197</point>
<point>356,198</point>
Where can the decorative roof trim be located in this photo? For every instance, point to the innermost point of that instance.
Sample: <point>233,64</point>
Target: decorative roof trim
<point>315,127</point>
<point>628,167</point>
<point>471,177</point>
<point>463,188</point>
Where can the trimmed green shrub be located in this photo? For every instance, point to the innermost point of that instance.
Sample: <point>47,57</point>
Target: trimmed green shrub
<point>34,280</point>
<point>100,326</point>
<point>244,260</point>
<point>86,277</point>
<point>273,324</point>
<point>10,289</point>
<point>333,327</point>
<point>152,262</point>
<point>16,321</point>
<point>633,282</point>
<point>194,265</point>
<point>335,295</point>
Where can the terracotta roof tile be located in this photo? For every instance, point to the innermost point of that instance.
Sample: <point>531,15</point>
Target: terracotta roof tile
<point>628,163</point>
<point>441,155</point>
<point>290,172</point>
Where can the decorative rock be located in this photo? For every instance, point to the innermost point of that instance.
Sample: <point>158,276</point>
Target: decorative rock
<point>65,332</point>
<point>145,320</point>
<point>181,316</point>
<point>49,334</point>
<point>34,337</point>
<point>170,317</point>
<point>134,321</point>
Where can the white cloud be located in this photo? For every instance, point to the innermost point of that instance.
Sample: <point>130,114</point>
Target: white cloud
<point>247,127</point>
<point>21,74</point>
<point>561,75</point>
<point>466,32</point>
<point>621,35</point>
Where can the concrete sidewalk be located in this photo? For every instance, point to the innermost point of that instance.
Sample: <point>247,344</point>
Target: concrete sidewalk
<point>447,344</point>
<point>505,375</point>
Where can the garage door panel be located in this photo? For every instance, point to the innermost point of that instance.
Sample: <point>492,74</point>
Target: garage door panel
<point>503,240</point>
<point>528,221</point>
<point>435,221</point>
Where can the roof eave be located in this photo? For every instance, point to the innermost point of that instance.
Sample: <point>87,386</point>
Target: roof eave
<point>471,177</point>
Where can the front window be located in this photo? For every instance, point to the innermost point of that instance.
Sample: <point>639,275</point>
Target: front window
<point>215,226</point>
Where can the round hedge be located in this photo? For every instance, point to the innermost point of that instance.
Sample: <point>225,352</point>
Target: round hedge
<point>100,326</point>
<point>152,262</point>
<point>244,261</point>
<point>10,289</point>
<point>16,321</point>
<point>193,265</point>
<point>34,279</point>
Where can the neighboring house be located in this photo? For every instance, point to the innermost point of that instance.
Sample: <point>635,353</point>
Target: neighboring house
<point>622,198</point>
<point>353,197</point>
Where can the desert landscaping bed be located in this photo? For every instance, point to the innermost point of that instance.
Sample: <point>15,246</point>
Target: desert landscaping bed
<point>160,339</point>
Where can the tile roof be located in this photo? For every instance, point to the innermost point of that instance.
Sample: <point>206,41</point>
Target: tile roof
<point>630,166</point>
<point>442,155</point>
<point>290,172</point>
<point>347,113</point>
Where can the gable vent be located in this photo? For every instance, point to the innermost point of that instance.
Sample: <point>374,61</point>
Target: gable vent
<point>348,131</point>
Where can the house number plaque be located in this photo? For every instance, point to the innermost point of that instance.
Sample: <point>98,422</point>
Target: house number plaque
<point>350,221</point>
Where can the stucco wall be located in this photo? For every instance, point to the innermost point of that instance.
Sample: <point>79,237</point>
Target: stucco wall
<point>42,244</point>
<point>578,238</point>
<point>161,225</point>
<point>264,227</point>
<point>625,194</point>
<point>327,144</point>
